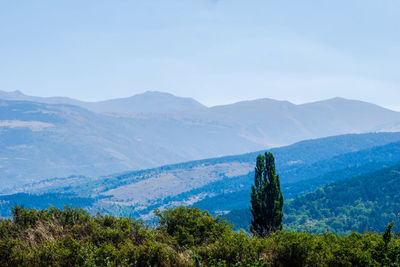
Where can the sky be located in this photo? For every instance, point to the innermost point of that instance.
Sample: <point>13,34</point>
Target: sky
<point>216,51</point>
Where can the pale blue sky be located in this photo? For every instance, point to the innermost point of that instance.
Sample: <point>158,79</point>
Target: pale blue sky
<point>215,51</point>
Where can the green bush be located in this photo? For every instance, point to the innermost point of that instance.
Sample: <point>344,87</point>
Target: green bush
<point>183,237</point>
<point>191,226</point>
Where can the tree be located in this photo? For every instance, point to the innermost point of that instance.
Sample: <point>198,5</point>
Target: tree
<point>266,198</point>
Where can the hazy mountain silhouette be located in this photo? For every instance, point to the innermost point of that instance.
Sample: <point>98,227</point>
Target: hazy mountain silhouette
<point>41,140</point>
<point>150,101</point>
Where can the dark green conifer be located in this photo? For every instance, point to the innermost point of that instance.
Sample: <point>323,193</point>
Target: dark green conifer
<point>266,198</point>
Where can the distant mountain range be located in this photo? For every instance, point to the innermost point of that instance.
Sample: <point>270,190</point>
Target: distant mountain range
<point>40,141</point>
<point>150,101</point>
<point>43,138</point>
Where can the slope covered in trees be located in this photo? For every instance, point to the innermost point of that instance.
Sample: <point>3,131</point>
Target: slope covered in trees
<point>365,202</point>
<point>307,177</point>
<point>360,203</point>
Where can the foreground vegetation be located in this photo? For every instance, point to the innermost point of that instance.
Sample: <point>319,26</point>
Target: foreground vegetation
<point>182,237</point>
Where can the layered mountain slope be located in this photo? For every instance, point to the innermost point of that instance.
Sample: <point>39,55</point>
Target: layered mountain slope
<point>223,184</point>
<point>20,96</point>
<point>155,129</point>
<point>281,122</point>
<point>297,179</point>
<point>199,183</point>
<point>42,141</point>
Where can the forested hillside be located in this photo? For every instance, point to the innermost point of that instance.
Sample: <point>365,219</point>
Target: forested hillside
<point>220,184</point>
<point>300,178</point>
<point>361,203</point>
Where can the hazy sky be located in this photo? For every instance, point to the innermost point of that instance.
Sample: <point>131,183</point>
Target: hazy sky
<point>215,51</point>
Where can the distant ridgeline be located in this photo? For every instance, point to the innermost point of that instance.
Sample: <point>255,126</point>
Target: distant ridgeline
<point>221,185</point>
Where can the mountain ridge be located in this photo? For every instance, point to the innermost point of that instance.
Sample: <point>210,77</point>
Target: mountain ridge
<point>149,101</point>
<point>83,142</point>
<point>19,95</point>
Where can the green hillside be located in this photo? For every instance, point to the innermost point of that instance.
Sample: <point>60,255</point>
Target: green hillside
<point>360,203</point>
<point>308,177</point>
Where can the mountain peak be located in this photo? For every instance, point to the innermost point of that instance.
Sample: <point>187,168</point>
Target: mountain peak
<point>155,93</point>
<point>13,95</point>
<point>149,101</point>
<point>349,103</point>
<point>17,92</point>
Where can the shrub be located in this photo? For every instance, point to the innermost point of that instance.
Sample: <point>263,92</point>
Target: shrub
<point>184,237</point>
<point>191,226</point>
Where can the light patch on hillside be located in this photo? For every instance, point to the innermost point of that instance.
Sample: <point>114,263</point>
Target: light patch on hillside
<point>294,162</point>
<point>188,201</point>
<point>33,125</point>
<point>41,111</point>
<point>174,182</point>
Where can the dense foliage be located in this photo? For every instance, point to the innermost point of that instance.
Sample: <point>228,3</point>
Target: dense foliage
<point>365,202</point>
<point>266,198</point>
<point>360,203</point>
<point>234,193</point>
<point>183,237</point>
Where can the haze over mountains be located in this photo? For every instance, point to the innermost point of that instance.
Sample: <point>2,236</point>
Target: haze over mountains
<point>52,137</point>
<point>150,101</point>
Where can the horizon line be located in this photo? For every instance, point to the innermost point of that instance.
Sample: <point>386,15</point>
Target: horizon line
<point>396,109</point>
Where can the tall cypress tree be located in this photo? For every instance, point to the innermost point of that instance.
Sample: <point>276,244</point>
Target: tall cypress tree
<point>266,198</point>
